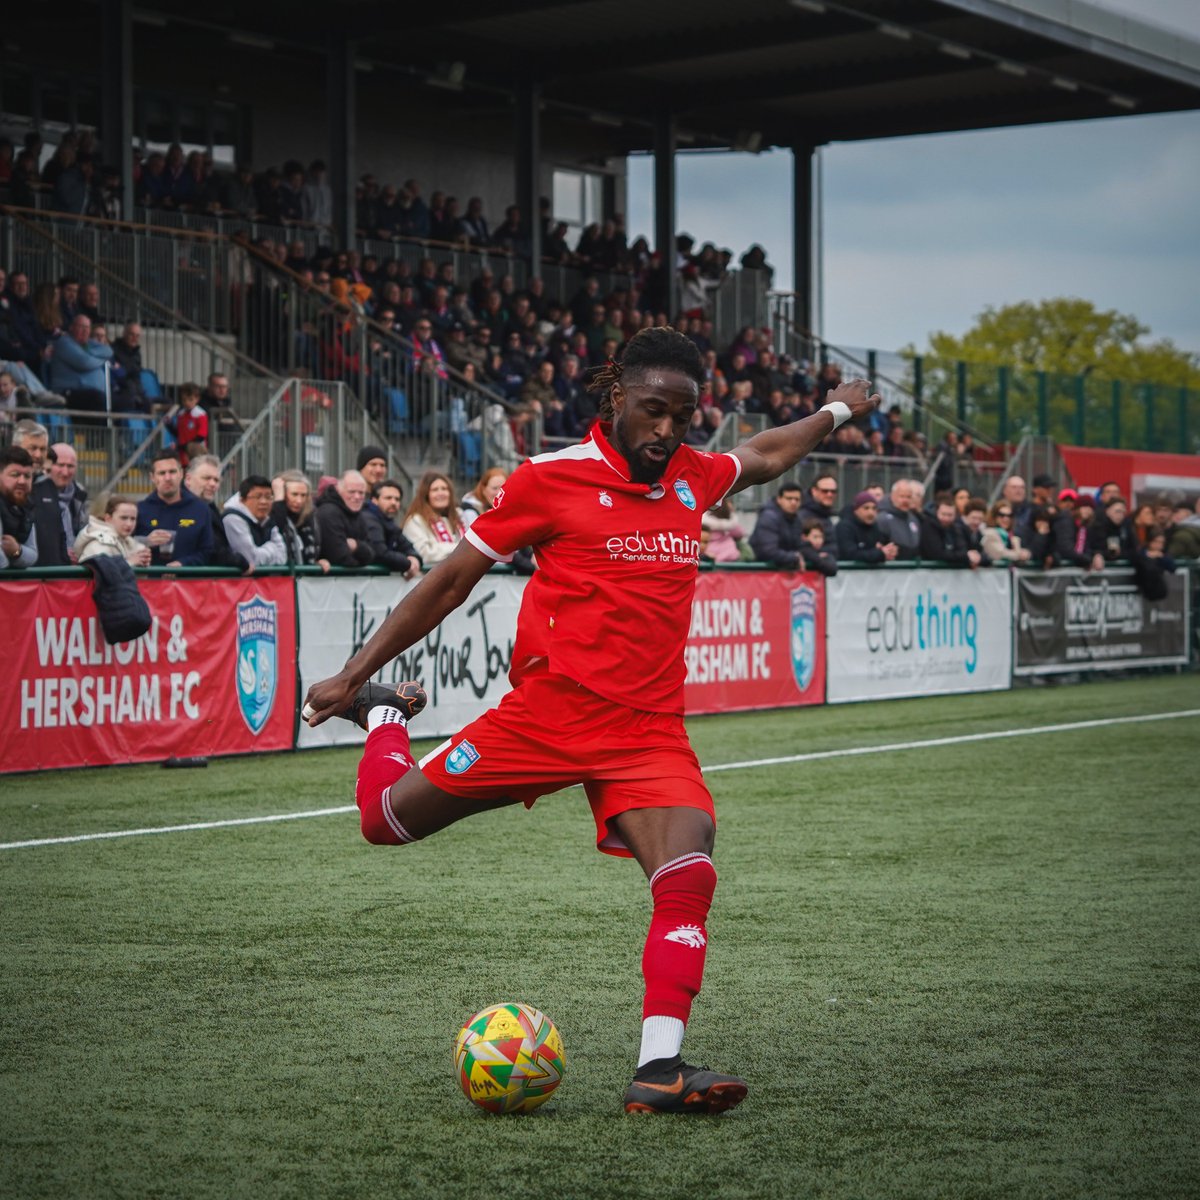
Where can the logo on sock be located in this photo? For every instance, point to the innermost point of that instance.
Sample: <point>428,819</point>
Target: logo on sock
<point>461,758</point>
<point>687,935</point>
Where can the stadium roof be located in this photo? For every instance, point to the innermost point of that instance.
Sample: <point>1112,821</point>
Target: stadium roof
<point>757,73</point>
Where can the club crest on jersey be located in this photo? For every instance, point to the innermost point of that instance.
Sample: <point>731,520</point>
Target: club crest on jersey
<point>462,758</point>
<point>605,498</point>
<point>256,658</point>
<point>804,636</point>
<point>685,494</point>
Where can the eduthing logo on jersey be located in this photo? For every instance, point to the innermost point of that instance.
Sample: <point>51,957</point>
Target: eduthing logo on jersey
<point>804,636</point>
<point>462,758</point>
<point>257,625</point>
<point>684,492</point>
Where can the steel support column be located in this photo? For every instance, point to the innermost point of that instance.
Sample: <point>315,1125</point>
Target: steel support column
<point>664,202</point>
<point>343,119</point>
<point>529,167</point>
<point>116,94</point>
<point>803,211</point>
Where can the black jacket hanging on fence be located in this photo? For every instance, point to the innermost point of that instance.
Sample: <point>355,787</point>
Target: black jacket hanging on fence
<point>124,613</point>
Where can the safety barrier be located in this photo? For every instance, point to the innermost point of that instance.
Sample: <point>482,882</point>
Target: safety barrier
<point>228,658</point>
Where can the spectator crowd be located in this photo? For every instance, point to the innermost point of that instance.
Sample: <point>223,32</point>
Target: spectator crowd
<point>359,518</point>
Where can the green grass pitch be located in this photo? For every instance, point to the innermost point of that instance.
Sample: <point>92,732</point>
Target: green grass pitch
<point>962,971</point>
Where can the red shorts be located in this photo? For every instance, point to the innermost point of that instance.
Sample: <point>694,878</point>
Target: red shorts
<point>549,733</point>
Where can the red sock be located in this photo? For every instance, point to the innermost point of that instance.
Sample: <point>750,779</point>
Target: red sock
<point>673,961</point>
<point>386,757</point>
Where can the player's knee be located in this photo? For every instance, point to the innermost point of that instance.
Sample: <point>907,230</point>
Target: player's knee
<point>689,879</point>
<point>379,824</point>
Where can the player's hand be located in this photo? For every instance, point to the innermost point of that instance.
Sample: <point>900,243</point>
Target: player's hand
<point>858,395</point>
<point>329,697</point>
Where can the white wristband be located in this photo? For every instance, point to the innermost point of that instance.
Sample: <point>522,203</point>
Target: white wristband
<point>838,410</point>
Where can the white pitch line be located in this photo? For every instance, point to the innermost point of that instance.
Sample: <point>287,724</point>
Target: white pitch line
<point>958,739</point>
<point>813,756</point>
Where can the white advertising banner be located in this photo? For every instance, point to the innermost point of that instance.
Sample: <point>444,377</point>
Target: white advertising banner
<point>918,633</point>
<point>462,664</point>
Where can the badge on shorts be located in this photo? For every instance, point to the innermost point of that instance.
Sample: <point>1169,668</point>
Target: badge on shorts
<point>461,758</point>
<point>685,494</point>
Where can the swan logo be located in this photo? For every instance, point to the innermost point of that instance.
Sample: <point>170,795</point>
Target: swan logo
<point>256,661</point>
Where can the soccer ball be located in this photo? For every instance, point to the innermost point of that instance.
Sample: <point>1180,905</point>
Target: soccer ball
<point>509,1058</point>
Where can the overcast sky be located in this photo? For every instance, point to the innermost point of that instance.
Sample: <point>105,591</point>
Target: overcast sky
<point>921,234</point>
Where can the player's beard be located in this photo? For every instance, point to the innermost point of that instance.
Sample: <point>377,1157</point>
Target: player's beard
<point>642,469</point>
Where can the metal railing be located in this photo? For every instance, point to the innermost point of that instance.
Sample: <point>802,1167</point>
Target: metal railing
<point>853,472</point>
<point>999,405</point>
<point>106,444</point>
<point>316,426</point>
<point>175,346</point>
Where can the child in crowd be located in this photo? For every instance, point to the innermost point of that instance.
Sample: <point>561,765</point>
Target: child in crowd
<point>188,423</point>
<point>812,548</point>
<point>112,534</point>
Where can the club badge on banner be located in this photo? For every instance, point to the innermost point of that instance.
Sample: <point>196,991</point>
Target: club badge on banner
<point>215,674</point>
<point>918,633</point>
<point>757,640</point>
<point>462,664</point>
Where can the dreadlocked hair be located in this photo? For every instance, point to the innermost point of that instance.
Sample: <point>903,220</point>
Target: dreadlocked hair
<point>657,348</point>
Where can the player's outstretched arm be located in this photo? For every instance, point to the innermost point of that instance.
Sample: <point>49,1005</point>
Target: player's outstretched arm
<point>769,454</point>
<point>423,609</point>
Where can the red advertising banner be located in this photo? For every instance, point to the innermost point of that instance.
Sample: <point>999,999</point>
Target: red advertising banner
<point>215,674</point>
<point>757,641</point>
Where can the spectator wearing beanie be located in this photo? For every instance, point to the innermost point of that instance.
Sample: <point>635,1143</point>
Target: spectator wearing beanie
<point>860,537</point>
<point>372,465</point>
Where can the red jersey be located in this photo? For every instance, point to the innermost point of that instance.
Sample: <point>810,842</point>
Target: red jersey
<point>191,425</point>
<point>611,601</point>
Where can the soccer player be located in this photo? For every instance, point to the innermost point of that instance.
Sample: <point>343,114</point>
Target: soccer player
<point>597,669</point>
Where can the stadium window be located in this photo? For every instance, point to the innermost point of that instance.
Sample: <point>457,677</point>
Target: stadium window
<point>87,106</point>
<point>16,93</point>
<point>578,199</point>
<point>56,104</point>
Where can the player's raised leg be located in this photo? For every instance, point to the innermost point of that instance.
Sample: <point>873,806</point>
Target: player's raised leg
<point>396,803</point>
<point>674,848</point>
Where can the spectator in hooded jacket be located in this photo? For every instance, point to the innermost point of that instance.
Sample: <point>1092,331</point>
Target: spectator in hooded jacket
<point>1183,538</point>
<point>944,540</point>
<point>861,537</point>
<point>388,543</point>
<point>726,535</point>
<point>344,537</point>
<point>248,524</point>
<point>777,532</point>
